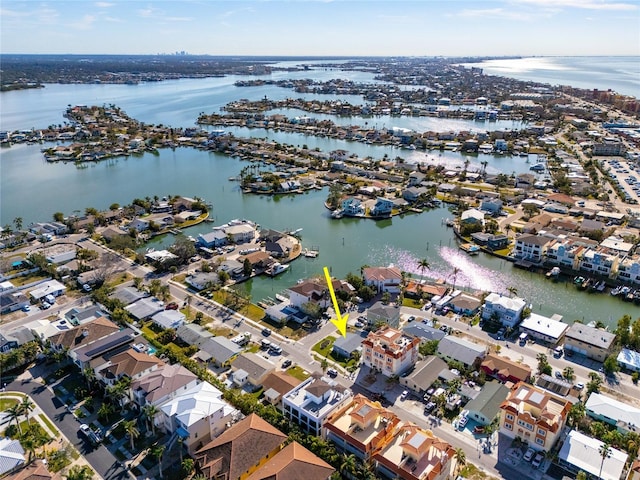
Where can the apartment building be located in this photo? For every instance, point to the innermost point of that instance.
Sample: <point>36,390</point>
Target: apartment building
<point>390,351</point>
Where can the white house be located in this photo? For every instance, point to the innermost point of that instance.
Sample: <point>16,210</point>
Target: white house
<point>580,452</point>
<point>507,310</point>
<point>241,233</point>
<point>197,415</point>
<point>383,279</point>
<point>545,329</point>
<point>51,287</point>
<point>624,416</point>
<point>169,319</point>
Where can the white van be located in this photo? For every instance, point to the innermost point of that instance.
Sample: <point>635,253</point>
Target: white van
<point>523,338</point>
<point>266,344</point>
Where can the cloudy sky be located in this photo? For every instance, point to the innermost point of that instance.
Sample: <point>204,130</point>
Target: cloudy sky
<point>322,27</point>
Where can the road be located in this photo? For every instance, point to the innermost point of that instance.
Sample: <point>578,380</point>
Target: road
<point>100,459</point>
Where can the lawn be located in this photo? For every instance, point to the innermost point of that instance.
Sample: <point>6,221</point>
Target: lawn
<point>473,473</point>
<point>48,424</point>
<point>410,302</point>
<point>20,281</point>
<point>222,331</point>
<point>298,372</point>
<point>324,346</point>
<point>7,403</point>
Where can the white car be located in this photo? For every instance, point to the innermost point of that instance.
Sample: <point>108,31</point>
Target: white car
<point>462,422</point>
<point>404,394</point>
<point>528,455</point>
<point>537,461</point>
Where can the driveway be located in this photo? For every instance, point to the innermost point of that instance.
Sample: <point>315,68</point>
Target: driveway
<point>100,459</point>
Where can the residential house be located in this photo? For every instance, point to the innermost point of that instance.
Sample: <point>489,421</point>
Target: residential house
<point>624,416</point>
<point>413,194</point>
<point>544,329</point>
<point>382,208</point>
<point>383,279</point>
<point>599,261</point>
<point>463,351</point>
<point>558,386</point>
<point>11,455</point>
<point>591,342</point>
<point>12,301</point>
<point>36,470</point>
<point>72,338</point>
<point>218,351</point>
<point>78,316</point>
<point>629,360</point>
<point>89,355</point>
<point>424,332</point>
<point>50,287</point>
<point>506,310</point>
<point>416,178</point>
<point>492,206</point>
<point>241,233</point>
<point>161,384</point>
<point>281,248</point>
<point>130,364</point>
<point>213,239</point>
<point>424,374</point>
<point>346,347</point>
<point>310,403</point>
<point>580,453</point>
<point>535,416</point>
<point>352,207</point>
<point>472,217</point>
<point>504,369</point>
<point>390,351</point>
<point>139,225</point>
<point>315,290</point>
<point>486,406</point>
<point>197,415</point>
<point>531,247</point>
<point>193,334</point>
<point>252,369</point>
<point>129,295</point>
<point>234,268</point>
<point>361,427</point>
<point>415,453</point>
<point>15,338</point>
<point>293,461</point>
<point>465,304</point>
<point>276,384</point>
<point>202,280</point>
<point>629,269</point>
<point>144,308</point>
<point>169,319</point>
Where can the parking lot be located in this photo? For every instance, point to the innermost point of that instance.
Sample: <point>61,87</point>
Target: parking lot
<point>626,175</point>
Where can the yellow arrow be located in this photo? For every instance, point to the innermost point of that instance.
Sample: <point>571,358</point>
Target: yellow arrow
<point>340,321</point>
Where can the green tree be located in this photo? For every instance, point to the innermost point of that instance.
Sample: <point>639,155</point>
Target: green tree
<point>423,265</point>
<point>605,452</point>
<point>610,365</point>
<point>150,411</point>
<point>80,472</point>
<point>58,217</point>
<point>623,330</point>
<point>581,475</point>
<point>460,458</point>
<point>27,406</point>
<point>568,374</point>
<point>576,413</point>
<point>14,412</point>
<point>428,348</point>
<point>131,429</point>
<point>594,384</point>
<point>157,452</point>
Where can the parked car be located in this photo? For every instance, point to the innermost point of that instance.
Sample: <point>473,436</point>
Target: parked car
<point>86,287</point>
<point>537,461</point>
<point>266,331</point>
<point>359,324</point>
<point>26,308</point>
<point>404,394</point>
<point>579,386</point>
<point>559,375</point>
<point>332,372</point>
<point>286,364</point>
<point>90,434</point>
<point>171,306</point>
<point>411,319</point>
<point>462,422</point>
<point>528,455</point>
<point>429,408</point>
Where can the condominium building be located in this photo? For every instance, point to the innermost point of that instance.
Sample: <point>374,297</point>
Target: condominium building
<point>390,351</point>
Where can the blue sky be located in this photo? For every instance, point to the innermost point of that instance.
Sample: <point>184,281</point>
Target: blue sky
<point>317,27</point>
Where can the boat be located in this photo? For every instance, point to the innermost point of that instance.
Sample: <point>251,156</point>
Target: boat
<point>337,213</point>
<point>554,272</point>
<point>584,285</point>
<point>538,167</point>
<point>615,291</point>
<point>578,280</point>
<point>276,269</point>
<point>448,222</point>
<point>470,248</point>
<point>601,286</point>
<point>310,253</point>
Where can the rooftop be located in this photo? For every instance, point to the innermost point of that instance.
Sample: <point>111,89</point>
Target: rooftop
<point>584,453</point>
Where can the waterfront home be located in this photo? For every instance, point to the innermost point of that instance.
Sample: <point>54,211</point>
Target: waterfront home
<point>389,351</point>
<point>234,268</point>
<point>361,427</point>
<point>580,453</point>
<point>312,402</point>
<point>535,416</point>
<point>629,269</point>
<point>491,206</point>
<point>276,385</point>
<point>468,353</point>
<point>252,369</point>
<point>629,360</point>
<point>139,225</point>
<point>504,369</point>
<point>485,407</point>
<point>169,319</point>
<point>592,342</point>
<point>415,453</point>
<point>599,261</point>
<point>567,252</point>
<point>424,332</point>
<point>504,309</point>
<point>381,313</point>
<point>465,304</point>
<point>472,217</point>
<point>161,384</point>
<point>213,239</point>
<point>382,208</point>
<point>219,351</point>
<point>240,233</point>
<point>352,207</point>
<point>424,374</point>
<point>623,416</point>
<point>310,290</point>
<point>549,331</point>
<point>197,415</point>
<point>531,247</point>
<point>417,289</point>
<point>413,194</point>
<point>281,248</point>
<point>383,279</point>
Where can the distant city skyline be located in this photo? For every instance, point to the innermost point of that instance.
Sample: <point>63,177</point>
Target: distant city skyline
<point>323,27</point>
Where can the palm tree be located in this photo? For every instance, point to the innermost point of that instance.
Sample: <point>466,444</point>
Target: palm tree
<point>150,411</point>
<point>349,465</point>
<point>568,374</point>
<point>461,459</point>
<point>18,223</point>
<point>605,452</point>
<point>78,472</point>
<point>513,291</point>
<point>187,300</point>
<point>15,412</point>
<point>27,407</point>
<point>424,265</point>
<point>576,413</point>
<point>132,430</point>
<point>157,451</point>
<point>454,274</point>
<point>89,375</point>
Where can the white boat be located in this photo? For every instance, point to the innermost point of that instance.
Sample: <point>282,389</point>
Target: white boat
<point>276,269</point>
<point>310,253</point>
